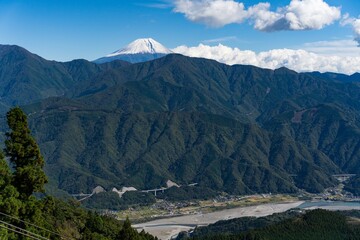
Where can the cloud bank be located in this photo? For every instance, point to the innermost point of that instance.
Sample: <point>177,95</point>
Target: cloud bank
<point>343,48</point>
<point>298,60</point>
<point>298,15</point>
<point>327,56</point>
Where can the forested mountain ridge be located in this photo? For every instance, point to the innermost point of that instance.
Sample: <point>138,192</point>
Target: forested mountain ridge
<point>195,120</point>
<point>27,212</point>
<point>26,77</point>
<point>239,129</point>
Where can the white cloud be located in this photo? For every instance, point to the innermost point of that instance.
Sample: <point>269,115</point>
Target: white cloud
<point>214,13</point>
<point>344,48</point>
<point>298,60</point>
<point>161,4</point>
<point>262,18</point>
<point>298,15</point>
<point>355,23</point>
<point>218,40</point>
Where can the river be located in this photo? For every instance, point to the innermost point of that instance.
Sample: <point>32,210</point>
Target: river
<point>166,228</point>
<point>331,205</point>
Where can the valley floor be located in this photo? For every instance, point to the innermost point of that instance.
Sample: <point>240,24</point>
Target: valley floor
<point>169,227</point>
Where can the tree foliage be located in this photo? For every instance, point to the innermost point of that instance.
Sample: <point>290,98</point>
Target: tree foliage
<point>24,153</point>
<point>9,202</point>
<point>46,216</point>
<point>128,233</point>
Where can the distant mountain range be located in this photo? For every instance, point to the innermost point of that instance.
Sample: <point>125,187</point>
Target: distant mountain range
<point>27,78</point>
<point>140,50</point>
<point>238,129</point>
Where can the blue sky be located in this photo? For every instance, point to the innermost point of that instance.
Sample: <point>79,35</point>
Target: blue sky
<point>68,29</point>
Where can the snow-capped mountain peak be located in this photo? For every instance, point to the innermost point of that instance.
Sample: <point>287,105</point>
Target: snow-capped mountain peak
<point>140,50</point>
<point>142,46</point>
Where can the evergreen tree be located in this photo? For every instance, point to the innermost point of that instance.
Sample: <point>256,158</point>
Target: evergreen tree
<point>25,155</point>
<point>17,199</point>
<point>9,202</point>
<point>5,174</point>
<point>28,176</point>
<point>127,232</point>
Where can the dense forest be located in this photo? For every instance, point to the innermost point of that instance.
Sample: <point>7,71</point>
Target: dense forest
<point>27,212</point>
<point>292,225</point>
<point>235,129</point>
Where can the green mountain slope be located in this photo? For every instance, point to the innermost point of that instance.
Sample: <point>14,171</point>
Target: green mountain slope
<point>326,127</point>
<point>89,148</point>
<point>195,120</point>
<point>239,129</point>
<point>26,78</point>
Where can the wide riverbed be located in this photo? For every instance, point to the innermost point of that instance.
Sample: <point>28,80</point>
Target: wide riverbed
<point>166,228</point>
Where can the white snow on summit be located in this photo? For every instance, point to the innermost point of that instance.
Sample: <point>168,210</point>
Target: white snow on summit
<point>141,46</point>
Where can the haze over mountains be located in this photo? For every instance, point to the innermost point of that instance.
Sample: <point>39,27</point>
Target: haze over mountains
<point>238,129</point>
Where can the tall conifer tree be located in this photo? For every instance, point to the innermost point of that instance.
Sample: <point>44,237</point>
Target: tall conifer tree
<point>9,203</point>
<point>24,154</point>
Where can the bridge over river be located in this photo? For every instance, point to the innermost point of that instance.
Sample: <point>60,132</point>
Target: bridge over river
<point>99,189</point>
<point>162,189</point>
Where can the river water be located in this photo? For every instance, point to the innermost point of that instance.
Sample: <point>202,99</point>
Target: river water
<point>331,205</point>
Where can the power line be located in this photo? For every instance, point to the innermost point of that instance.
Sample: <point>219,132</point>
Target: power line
<point>22,229</point>
<point>22,233</point>
<point>31,224</point>
<point>19,232</point>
